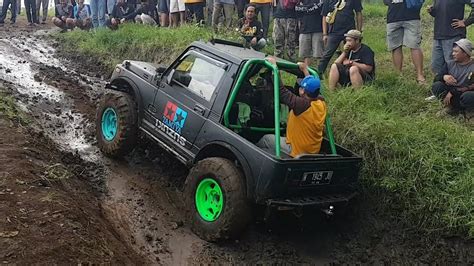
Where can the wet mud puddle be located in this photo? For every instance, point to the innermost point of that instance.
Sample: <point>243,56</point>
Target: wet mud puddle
<point>19,61</point>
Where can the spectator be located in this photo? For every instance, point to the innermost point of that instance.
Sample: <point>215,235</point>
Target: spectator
<point>3,15</point>
<point>263,7</point>
<point>18,6</point>
<point>338,18</point>
<point>164,10</point>
<point>98,13</point>
<point>209,9</point>
<point>251,29</point>
<point>404,29</point>
<point>177,9</point>
<point>30,7</point>
<point>285,29</point>
<point>63,15</point>
<point>147,13</point>
<point>454,84</point>
<point>449,27</point>
<point>355,65</point>
<point>45,4</point>
<point>82,16</point>
<point>195,9</point>
<point>222,5</point>
<point>311,36</point>
<point>122,12</point>
<point>304,132</point>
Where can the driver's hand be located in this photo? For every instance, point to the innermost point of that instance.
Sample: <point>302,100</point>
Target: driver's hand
<point>303,66</point>
<point>272,60</point>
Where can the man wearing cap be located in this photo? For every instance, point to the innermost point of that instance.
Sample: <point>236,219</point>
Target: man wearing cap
<point>404,29</point>
<point>355,65</point>
<point>454,84</point>
<point>304,132</point>
<point>449,26</point>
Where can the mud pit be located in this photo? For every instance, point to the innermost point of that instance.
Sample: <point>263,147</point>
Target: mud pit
<point>137,202</point>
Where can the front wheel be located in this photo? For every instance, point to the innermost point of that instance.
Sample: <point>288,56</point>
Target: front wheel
<point>116,124</point>
<point>216,199</point>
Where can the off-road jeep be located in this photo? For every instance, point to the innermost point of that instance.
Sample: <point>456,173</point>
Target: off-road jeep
<point>208,109</point>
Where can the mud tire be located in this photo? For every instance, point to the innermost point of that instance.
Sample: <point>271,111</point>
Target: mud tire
<point>236,213</point>
<point>126,136</point>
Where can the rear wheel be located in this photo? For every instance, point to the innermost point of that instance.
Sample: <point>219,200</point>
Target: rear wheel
<point>116,124</point>
<point>216,200</point>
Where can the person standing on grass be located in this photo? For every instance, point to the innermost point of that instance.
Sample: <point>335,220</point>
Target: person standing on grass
<point>63,15</point>
<point>195,11</point>
<point>223,5</point>
<point>263,7</point>
<point>45,4</point>
<point>449,27</point>
<point>82,16</point>
<point>98,13</point>
<point>30,8</point>
<point>356,64</point>
<point>3,15</point>
<point>285,29</point>
<point>339,16</point>
<point>240,7</point>
<point>123,12</point>
<point>251,29</point>
<point>404,29</point>
<point>454,84</point>
<point>311,30</point>
<point>177,12</point>
<point>110,6</point>
<point>164,11</point>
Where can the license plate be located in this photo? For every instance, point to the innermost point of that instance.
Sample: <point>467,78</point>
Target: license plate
<point>316,178</point>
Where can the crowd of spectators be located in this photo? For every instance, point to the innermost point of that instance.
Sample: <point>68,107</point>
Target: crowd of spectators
<point>312,30</point>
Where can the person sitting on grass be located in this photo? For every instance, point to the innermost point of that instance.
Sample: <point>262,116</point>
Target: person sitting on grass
<point>82,16</point>
<point>251,29</point>
<point>304,131</point>
<point>146,13</point>
<point>454,84</point>
<point>122,12</point>
<point>63,16</point>
<point>355,65</point>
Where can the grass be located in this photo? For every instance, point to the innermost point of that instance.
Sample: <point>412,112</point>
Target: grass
<point>419,166</point>
<point>10,110</point>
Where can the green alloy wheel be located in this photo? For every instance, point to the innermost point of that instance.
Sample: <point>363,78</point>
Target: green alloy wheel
<point>216,201</point>
<point>209,199</point>
<point>109,124</point>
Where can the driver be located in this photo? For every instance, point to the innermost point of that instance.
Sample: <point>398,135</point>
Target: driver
<point>306,119</point>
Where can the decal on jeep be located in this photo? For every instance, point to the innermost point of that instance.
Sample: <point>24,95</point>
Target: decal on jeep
<point>173,122</point>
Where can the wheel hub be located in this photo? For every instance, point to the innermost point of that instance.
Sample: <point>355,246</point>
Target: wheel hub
<point>109,124</point>
<point>209,199</point>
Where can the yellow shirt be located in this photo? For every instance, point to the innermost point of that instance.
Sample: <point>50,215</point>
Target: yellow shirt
<point>193,1</point>
<point>305,132</point>
<point>261,1</point>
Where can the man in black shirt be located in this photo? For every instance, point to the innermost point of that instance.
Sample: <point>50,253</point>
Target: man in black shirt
<point>404,29</point>
<point>285,30</point>
<point>123,12</point>
<point>311,37</point>
<point>449,27</point>
<point>355,65</point>
<point>338,18</point>
<point>251,29</point>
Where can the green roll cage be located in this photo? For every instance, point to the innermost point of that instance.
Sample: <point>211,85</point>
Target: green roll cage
<point>276,95</point>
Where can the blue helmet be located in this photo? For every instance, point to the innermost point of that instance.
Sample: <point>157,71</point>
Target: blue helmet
<point>310,85</point>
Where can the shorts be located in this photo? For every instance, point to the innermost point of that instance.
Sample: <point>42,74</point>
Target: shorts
<point>407,33</point>
<point>177,6</point>
<point>164,6</point>
<point>345,77</point>
<point>311,45</point>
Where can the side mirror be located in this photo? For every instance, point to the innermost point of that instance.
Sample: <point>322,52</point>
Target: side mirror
<point>170,77</point>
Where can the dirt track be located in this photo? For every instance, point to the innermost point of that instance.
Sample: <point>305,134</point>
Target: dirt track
<point>135,205</point>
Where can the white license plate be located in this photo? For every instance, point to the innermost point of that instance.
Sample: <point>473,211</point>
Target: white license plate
<point>316,178</point>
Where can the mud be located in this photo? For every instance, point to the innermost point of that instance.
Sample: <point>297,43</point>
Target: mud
<point>140,201</point>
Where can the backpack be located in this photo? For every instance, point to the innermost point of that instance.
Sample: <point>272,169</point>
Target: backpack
<point>288,4</point>
<point>415,4</point>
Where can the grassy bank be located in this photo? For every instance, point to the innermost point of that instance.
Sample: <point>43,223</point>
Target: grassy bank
<point>10,110</point>
<point>419,165</point>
